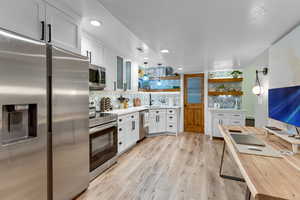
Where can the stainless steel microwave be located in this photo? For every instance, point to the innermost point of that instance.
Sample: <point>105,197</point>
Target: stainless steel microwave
<point>97,77</point>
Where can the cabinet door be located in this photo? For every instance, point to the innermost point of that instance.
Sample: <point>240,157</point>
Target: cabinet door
<point>216,131</point>
<point>23,17</point>
<point>225,122</point>
<point>64,29</point>
<point>162,122</point>
<point>135,131</point>
<point>152,122</point>
<point>121,144</point>
<point>120,72</point>
<point>128,74</point>
<point>96,49</point>
<point>86,46</point>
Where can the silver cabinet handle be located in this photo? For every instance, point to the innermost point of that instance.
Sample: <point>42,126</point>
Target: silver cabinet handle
<point>133,125</point>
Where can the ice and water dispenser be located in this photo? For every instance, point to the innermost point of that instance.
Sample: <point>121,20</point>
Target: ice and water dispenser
<point>19,122</point>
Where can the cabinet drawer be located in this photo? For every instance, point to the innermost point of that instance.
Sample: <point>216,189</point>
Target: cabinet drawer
<point>236,122</point>
<point>171,111</point>
<point>121,144</point>
<point>122,131</point>
<point>158,111</point>
<point>171,127</point>
<point>122,120</point>
<point>236,116</point>
<point>172,118</point>
<point>221,115</point>
<point>133,116</point>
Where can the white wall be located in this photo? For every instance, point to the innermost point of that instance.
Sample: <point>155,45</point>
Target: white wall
<point>251,101</point>
<point>283,60</point>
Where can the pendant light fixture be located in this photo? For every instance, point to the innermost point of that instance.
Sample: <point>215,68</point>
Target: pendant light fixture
<point>258,89</point>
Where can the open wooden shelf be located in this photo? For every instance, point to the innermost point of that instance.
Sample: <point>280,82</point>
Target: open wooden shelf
<point>166,78</point>
<point>163,90</point>
<point>225,80</point>
<point>235,93</point>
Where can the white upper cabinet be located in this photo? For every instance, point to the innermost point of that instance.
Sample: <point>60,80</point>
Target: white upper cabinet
<point>27,18</point>
<point>62,29</point>
<point>23,17</point>
<point>96,49</point>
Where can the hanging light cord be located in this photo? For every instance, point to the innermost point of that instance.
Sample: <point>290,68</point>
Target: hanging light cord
<point>257,79</point>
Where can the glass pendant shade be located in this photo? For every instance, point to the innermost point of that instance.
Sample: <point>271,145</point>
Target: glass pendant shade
<point>257,90</point>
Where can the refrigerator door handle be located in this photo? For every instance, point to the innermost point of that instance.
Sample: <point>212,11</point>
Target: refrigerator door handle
<point>43,30</point>
<point>50,34</point>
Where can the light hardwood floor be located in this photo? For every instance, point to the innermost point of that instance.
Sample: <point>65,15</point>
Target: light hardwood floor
<point>169,168</point>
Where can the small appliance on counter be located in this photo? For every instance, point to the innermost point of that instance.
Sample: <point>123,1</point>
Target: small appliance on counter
<point>103,143</point>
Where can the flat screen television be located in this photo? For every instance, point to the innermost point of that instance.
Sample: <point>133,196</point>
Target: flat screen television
<point>284,105</point>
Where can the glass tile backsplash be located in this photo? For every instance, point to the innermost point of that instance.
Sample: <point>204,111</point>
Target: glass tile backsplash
<point>225,102</point>
<point>164,84</point>
<point>158,98</point>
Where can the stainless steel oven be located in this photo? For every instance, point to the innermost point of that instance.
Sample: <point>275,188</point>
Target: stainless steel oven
<point>97,77</point>
<point>103,143</point>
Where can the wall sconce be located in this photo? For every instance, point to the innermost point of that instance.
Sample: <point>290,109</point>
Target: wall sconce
<point>258,89</point>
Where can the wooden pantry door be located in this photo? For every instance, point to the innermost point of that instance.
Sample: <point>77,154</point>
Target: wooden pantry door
<point>194,103</point>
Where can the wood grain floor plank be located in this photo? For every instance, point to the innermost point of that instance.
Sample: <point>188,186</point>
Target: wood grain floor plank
<point>169,168</point>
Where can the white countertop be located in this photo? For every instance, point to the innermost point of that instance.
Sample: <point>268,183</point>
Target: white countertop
<point>139,108</point>
<point>225,110</point>
<point>128,110</point>
<point>163,107</point>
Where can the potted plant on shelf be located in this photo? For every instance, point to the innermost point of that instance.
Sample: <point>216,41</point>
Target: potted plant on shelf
<point>236,73</point>
<point>221,88</point>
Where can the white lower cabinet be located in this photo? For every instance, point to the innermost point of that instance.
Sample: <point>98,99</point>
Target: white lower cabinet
<point>173,120</point>
<point>226,118</point>
<point>128,131</point>
<point>157,121</point>
<point>164,120</point>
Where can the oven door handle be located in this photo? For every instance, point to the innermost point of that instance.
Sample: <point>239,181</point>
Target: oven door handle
<point>103,127</point>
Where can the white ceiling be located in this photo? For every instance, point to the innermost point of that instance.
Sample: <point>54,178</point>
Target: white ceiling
<point>113,34</point>
<point>203,34</point>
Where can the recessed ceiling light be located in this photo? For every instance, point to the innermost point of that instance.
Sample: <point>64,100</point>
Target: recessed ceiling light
<point>96,23</point>
<point>164,51</point>
<point>146,58</point>
<point>180,68</point>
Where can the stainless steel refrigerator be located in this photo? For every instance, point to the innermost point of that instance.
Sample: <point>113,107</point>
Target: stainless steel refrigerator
<point>44,140</point>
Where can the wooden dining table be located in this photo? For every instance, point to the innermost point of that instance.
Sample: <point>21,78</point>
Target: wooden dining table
<point>267,178</point>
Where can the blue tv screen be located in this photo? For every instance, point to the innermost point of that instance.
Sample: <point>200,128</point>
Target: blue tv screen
<point>284,105</point>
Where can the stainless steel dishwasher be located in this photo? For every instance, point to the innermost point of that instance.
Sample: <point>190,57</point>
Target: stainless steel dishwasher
<point>144,124</point>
